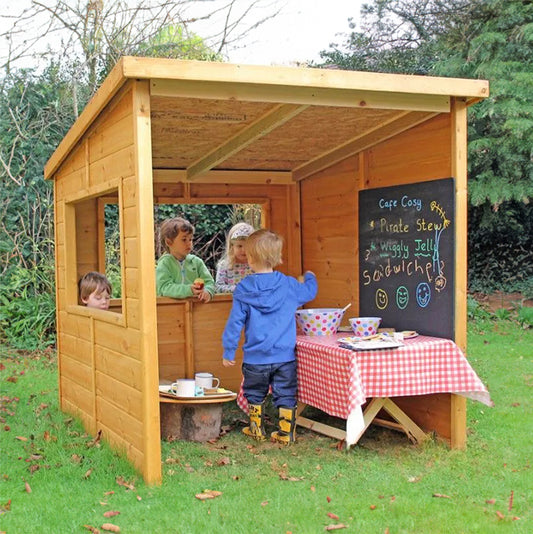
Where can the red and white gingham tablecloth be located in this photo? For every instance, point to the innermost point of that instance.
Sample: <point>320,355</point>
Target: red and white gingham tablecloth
<point>338,380</point>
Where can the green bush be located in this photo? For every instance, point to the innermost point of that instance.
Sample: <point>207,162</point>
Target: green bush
<point>525,316</point>
<point>474,309</point>
<point>27,307</point>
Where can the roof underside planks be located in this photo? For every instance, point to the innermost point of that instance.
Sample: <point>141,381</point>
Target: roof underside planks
<point>207,118</point>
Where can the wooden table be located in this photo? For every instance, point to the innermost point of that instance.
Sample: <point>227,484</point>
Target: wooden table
<point>339,381</point>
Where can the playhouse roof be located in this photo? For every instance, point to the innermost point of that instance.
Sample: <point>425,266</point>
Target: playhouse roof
<point>290,122</point>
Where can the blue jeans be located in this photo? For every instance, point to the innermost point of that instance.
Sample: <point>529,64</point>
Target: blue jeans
<point>280,376</point>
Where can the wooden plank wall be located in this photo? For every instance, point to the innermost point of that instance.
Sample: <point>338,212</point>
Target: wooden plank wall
<point>207,322</point>
<point>101,354</point>
<point>329,228</point>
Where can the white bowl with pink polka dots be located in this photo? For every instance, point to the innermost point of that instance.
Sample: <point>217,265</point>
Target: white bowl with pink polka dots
<point>319,321</point>
<point>365,326</point>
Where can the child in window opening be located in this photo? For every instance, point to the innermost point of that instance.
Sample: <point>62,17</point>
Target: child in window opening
<point>234,266</point>
<point>95,290</point>
<point>264,304</point>
<point>180,274</point>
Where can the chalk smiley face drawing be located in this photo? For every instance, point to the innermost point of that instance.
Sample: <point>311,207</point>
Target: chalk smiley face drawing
<point>402,297</point>
<point>382,299</point>
<point>423,294</point>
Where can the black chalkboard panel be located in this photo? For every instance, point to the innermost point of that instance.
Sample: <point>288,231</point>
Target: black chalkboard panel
<point>407,256</point>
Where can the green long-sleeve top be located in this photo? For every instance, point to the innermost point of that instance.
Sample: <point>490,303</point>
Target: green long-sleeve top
<point>174,278</point>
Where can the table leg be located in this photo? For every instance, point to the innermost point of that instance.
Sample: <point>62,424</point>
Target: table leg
<point>403,422</point>
<point>358,422</point>
<point>321,428</point>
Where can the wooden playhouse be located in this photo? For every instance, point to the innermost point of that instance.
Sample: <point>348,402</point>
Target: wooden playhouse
<point>302,143</point>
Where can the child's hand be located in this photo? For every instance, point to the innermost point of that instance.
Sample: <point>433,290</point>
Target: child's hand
<point>301,278</point>
<point>228,363</point>
<point>204,296</point>
<point>201,294</point>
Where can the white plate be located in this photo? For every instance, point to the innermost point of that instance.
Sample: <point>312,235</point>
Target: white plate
<point>369,345</point>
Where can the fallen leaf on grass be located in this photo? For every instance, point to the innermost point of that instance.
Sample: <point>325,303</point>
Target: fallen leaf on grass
<point>224,461</point>
<point>340,445</point>
<point>27,487</point>
<point>111,513</point>
<point>40,408</point>
<point>96,441</point>
<point>333,516</point>
<point>511,500</point>
<point>208,494</point>
<point>87,473</point>
<point>21,438</point>
<point>328,498</point>
<point>335,527</point>
<point>92,529</point>
<point>284,476</point>
<point>441,496</point>
<point>264,503</point>
<point>109,527</point>
<point>500,515</point>
<point>121,482</point>
<point>490,501</point>
<point>372,506</point>
<point>5,507</point>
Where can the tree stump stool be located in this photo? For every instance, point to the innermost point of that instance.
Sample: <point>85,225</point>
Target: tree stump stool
<point>192,419</point>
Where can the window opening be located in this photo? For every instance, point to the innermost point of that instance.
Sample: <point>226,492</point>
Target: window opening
<point>211,223</point>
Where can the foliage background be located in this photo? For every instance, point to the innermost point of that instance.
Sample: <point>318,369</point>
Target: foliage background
<point>487,39</point>
<point>490,39</point>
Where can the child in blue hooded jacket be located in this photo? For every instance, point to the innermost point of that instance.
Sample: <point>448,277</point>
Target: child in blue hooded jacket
<point>264,304</point>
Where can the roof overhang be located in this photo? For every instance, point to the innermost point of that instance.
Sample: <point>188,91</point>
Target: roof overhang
<point>228,117</point>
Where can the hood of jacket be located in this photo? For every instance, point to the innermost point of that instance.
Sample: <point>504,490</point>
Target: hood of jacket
<point>265,291</point>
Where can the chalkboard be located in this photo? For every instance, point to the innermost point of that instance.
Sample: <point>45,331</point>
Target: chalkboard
<point>407,256</point>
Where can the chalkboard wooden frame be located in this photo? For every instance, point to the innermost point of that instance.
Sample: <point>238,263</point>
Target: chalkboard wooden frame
<point>407,256</point>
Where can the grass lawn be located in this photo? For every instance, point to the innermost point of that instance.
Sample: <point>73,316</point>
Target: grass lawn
<point>56,479</point>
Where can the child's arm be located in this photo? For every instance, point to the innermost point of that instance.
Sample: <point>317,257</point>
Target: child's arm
<point>168,275</point>
<point>308,289</point>
<point>207,292</point>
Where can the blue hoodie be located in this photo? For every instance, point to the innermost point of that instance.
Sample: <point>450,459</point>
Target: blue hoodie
<point>264,305</point>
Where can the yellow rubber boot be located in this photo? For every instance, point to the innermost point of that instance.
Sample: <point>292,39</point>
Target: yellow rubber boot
<point>256,429</point>
<point>287,423</point>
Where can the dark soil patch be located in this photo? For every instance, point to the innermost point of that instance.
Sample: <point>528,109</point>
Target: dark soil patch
<point>499,299</point>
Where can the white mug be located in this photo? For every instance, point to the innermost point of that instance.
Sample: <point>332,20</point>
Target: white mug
<point>184,387</point>
<point>206,381</point>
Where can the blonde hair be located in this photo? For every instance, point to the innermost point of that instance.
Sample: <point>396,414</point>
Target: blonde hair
<point>238,232</point>
<point>170,228</point>
<point>91,282</point>
<point>264,247</point>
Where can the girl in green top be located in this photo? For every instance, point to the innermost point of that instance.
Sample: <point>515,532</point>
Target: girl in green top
<point>178,272</point>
